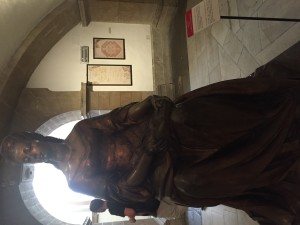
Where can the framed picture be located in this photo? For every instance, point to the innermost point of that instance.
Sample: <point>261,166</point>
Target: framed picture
<point>109,48</point>
<point>109,75</point>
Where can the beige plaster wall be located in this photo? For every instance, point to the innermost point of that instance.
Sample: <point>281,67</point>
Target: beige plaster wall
<point>61,69</point>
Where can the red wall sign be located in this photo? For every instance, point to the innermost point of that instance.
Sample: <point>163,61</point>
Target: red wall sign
<point>189,23</point>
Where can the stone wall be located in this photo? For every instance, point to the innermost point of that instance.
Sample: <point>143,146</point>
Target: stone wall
<point>38,105</point>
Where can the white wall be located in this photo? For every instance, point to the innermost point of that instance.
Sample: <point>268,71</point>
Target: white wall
<point>61,69</point>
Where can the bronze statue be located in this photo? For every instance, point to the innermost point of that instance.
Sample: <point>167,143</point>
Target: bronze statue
<point>234,143</point>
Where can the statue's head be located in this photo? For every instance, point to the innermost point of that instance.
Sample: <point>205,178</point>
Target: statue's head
<point>25,147</point>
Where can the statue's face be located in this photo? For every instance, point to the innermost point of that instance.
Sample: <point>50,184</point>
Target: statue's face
<point>24,151</point>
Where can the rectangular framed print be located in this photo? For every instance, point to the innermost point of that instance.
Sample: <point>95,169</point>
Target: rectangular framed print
<point>109,48</point>
<point>109,75</point>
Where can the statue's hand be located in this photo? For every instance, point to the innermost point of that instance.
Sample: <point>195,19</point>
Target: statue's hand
<point>139,111</point>
<point>160,103</point>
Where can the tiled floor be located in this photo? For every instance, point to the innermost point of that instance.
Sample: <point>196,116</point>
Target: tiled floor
<point>235,48</point>
<point>193,216</point>
<point>223,215</point>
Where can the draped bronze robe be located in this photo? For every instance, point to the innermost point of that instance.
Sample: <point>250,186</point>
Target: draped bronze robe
<point>239,146</point>
<point>234,143</point>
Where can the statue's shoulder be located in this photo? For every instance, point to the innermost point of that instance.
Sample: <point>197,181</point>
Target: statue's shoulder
<point>80,147</point>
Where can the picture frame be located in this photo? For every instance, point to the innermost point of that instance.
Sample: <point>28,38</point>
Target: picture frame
<point>109,75</point>
<point>108,48</point>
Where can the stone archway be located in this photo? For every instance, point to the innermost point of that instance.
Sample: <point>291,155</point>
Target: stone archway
<point>28,56</point>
